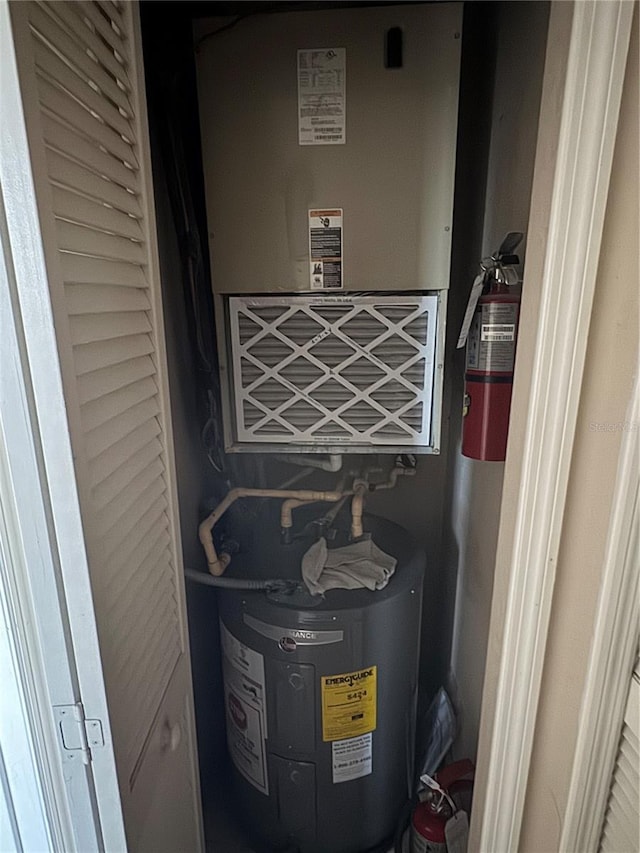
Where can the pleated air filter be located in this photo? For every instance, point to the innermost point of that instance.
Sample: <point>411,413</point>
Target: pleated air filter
<point>343,371</point>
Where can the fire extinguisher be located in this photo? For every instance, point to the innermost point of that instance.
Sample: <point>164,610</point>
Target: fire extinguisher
<point>448,794</point>
<point>491,349</point>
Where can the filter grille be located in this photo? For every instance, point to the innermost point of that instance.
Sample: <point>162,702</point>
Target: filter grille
<point>336,370</point>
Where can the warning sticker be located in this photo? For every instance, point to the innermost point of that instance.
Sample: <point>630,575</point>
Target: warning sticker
<point>351,758</point>
<point>348,704</point>
<point>322,96</point>
<point>325,249</point>
<point>245,709</point>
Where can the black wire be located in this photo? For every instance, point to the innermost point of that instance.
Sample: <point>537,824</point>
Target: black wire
<point>278,7</point>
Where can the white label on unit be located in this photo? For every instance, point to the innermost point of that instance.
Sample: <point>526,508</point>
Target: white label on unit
<point>325,249</point>
<point>322,96</point>
<point>352,758</point>
<point>245,709</point>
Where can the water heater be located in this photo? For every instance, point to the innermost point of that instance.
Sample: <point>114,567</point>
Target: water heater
<point>329,154</point>
<point>320,699</point>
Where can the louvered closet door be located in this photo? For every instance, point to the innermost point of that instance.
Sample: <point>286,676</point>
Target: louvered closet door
<point>621,832</point>
<point>85,109</point>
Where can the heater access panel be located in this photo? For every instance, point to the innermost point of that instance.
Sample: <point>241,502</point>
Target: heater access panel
<point>350,114</point>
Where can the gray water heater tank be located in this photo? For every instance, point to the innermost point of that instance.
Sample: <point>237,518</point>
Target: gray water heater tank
<point>321,701</point>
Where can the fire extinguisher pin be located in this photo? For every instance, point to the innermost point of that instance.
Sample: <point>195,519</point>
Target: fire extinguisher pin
<point>435,786</point>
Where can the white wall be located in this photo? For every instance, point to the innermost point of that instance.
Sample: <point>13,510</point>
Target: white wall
<point>477,486</point>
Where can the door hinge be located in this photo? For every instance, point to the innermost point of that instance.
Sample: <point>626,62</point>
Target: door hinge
<point>78,736</point>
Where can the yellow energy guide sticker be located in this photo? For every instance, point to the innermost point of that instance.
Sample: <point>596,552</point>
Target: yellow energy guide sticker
<point>349,704</point>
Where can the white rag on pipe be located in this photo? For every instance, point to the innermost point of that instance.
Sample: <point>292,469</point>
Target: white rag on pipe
<point>361,564</point>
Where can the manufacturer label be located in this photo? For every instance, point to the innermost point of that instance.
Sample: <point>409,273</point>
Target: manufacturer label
<point>492,337</point>
<point>299,636</point>
<point>322,96</point>
<point>325,249</point>
<point>352,758</point>
<point>349,704</point>
<point>245,708</point>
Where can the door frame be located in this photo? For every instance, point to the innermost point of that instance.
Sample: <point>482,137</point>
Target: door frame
<point>44,571</point>
<point>584,74</point>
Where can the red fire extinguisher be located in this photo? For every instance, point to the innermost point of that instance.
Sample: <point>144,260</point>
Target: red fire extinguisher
<point>451,793</point>
<point>491,351</point>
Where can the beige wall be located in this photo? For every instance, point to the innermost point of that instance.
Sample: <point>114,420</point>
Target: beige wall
<point>612,362</point>
<point>477,486</point>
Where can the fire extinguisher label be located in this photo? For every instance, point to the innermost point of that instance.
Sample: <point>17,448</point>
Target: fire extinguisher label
<point>420,844</point>
<point>349,704</point>
<point>491,346</point>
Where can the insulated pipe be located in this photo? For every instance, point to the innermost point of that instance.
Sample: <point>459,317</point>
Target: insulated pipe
<point>251,585</point>
<point>217,565</point>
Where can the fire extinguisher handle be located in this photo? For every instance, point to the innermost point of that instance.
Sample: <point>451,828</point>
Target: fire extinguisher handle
<point>508,246</point>
<point>455,772</point>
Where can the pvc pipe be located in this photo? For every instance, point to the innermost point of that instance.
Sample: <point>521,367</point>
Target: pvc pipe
<point>357,509</point>
<point>217,565</point>
<point>393,478</point>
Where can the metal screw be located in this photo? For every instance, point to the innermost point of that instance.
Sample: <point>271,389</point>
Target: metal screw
<point>446,228</point>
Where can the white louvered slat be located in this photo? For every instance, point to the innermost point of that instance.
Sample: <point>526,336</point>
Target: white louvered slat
<point>112,12</point>
<point>86,39</point>
<point>157,671</point>
<point>77,269</point>
<point>109,433</point>
<point>52,68</point>
<point>154,597</point>
<point>135,581</point>
<point>120,453</point>
<point>138,585</point>
<point>113,512</point>
<point>82,211</point>
<point>97,20</point>
<point>60,105</point>
<point>46,26</point>
<point>100,327</point>
<point>97,412</point>
<point>98,299</point>
<point>77,238</point>
<point>111,488</point>
<point>67,173</point>
<point>133,548</point>
<point>84,67</point>
<point>150,616</point>
<point>87,151</point>
<point>621,830</point>
<point>99,384</point>
<point>111,541</point>
<point>100,354</point>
